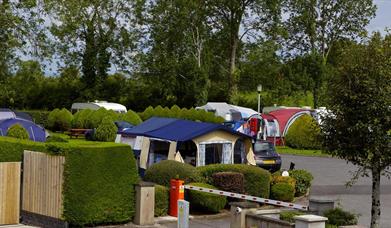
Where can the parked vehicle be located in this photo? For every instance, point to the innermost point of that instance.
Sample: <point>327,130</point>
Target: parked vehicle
<point>266,156</point>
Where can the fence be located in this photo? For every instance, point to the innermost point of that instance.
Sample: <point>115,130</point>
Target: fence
<point>9,192</point>
<point>42,184</point>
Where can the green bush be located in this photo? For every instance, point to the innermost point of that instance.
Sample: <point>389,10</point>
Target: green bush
<point>282,191</point>
<point>131,117</point>
<point>82,119</point>
<point>106,131</point>
<point>18,131</point>
<point>339,217</point>
<point>256,180</point>
<point>98,178</point>
<point>304,133</point>
<point>59,120</point>
<point>288,215</point>
<point>206,201</point>
<point>280,179</point>
<point>229,181</point>
<point>162,196</point>
<point>303,181</point>
<point>162,172</point>
<point>39,117</point>
<point>54,138</point>
<point>97,117</point>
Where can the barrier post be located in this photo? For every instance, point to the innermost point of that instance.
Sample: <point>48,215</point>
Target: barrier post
<point>177,192</point>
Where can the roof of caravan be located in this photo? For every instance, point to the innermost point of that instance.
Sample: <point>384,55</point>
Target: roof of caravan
<point>97,105</point>
<point>176,129</point>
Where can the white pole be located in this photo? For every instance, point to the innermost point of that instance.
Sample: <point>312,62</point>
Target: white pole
<point>183,214</point>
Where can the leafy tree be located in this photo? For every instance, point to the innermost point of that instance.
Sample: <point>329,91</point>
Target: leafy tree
<point>360,101</point>
<point>314,26</point>
<point>93,34</point>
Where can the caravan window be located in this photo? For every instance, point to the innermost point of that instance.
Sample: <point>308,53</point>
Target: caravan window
<point>213,153</point>
<point>158,151</point>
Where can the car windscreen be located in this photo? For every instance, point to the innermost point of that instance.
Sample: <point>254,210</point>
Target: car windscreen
<point>263,149</point>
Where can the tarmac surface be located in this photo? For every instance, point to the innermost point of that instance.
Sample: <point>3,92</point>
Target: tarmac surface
<point>330,177</point>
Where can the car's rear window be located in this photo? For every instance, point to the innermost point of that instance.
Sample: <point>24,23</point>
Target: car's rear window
<point>263,148</point>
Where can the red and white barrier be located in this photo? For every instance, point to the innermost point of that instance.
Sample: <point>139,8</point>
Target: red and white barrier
<point>247,197</point>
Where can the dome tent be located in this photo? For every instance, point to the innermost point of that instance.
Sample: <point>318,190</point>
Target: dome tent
<point>36,132</point>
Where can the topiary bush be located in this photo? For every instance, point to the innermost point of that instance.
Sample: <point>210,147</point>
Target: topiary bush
<point>280,179</point>
<point>206,201</point>
<point>97,116</point>
<point>282,191</point>
<point>229,181</point>
<point>162,172</point>
<point>304,133</point>
<point>82,119</point>
<point>162,196</point>
<point>339,217</point>
<point>18,131</point>
<point>131,117</point>
<point>59,120</point>
<point>256,180</point>
<point>107,131</point>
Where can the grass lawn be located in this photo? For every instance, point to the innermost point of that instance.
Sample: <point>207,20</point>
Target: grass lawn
<point>288,150</point>
<point>82,141</point>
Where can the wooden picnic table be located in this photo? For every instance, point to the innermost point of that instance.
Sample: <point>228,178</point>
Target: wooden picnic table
<point>77,132</point>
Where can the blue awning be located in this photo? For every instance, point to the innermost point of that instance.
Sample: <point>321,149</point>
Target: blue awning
<point>176,129</point>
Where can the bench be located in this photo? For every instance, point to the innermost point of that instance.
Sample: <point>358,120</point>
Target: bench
<point>77,132</point>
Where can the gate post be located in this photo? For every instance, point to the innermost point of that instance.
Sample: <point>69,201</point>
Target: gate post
<point>177,192</point>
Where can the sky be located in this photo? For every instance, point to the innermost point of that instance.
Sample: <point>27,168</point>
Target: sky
<point>383,16</point>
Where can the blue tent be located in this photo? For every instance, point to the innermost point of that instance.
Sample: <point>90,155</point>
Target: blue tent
<point>175,129</point>
<point>36,132</point>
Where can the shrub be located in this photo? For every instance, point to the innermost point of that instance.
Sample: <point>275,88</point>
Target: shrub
<point>162,195</point>
<point>148,113</point>
<point>288,215</point>
<point>97,117</point>
<point>162,172</point>
<point>303,181</point>
<point>39,117</point>
<point>59,120</point>
<point>256,180</point>
<point>339,217</point>
<point>131,117</point>
<point>82,119</point>
<point>54,138</point>
<point>18,131</point>
<point>206,201</point>
<point>229,181</point>
<point>106,131</point>
<point>280,179</point>
<point>282,191</point>
<point>304,133</point>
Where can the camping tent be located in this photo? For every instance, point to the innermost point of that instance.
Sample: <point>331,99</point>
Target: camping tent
<point>36,132</point>
<point>198,143</point>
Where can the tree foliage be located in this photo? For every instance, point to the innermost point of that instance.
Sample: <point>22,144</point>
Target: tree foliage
<point>360,101</point>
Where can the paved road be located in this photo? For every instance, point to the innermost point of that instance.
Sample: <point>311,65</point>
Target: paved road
<point>330,176</point>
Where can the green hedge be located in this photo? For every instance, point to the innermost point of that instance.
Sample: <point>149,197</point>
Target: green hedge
<point>176,112</point>
<point>162,172</point>
<point>256,180</point>
<point>206,201</point>
<point>40,117</point>
<point>339,217</point>
<point>98,178</point>
<point>304,133</point>
<point>162,196</point>
<point>106,131</point>
<point>282,191</point>
<point>59,120</point>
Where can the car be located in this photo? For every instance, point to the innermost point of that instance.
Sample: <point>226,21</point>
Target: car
<point>266,156</point>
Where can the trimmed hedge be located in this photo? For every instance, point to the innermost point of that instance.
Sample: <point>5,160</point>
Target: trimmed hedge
<point>162,172</point>
<point>304,134</point>
<point>18,131</point>
<point>59,120</point>
<point>303,181</point>
<point>162,196</point>
<point>256,180</point>
<point>282,191</point>
<point>98,178</point>
<point>176,112</point>
<point>280,179</point>
<point>131,117</point>
<point>206,201</point>
<point>229,181</point>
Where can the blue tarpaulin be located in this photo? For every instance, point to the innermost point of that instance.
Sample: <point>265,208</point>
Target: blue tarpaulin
<point>175,129</point>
